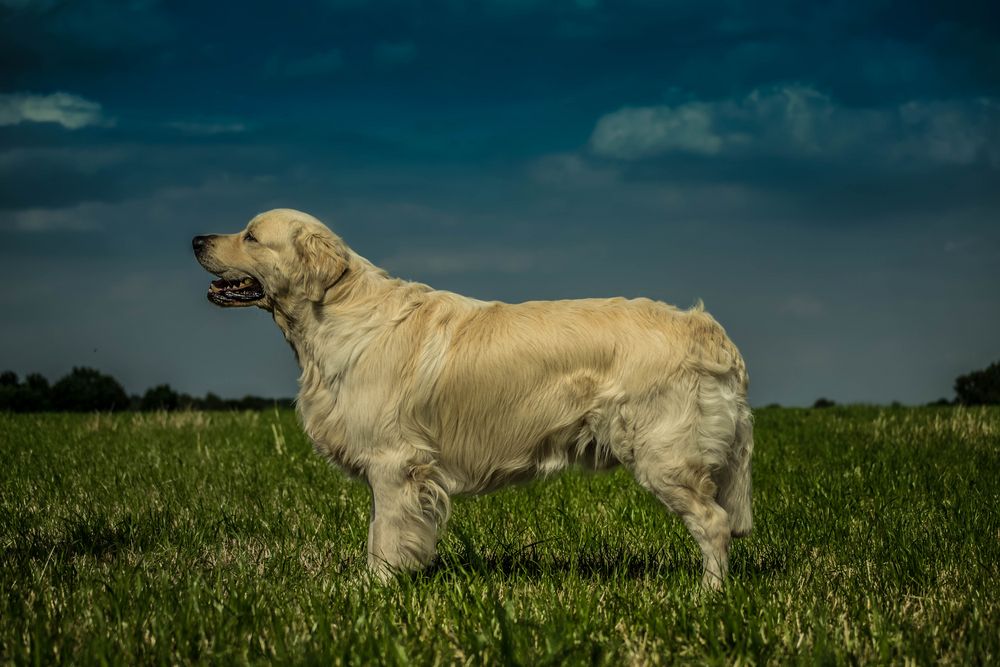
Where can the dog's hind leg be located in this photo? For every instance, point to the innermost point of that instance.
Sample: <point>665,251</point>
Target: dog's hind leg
<point>734,479</point>
<point>705,519</point>
<point>677,459</point>
<point>409,508</point>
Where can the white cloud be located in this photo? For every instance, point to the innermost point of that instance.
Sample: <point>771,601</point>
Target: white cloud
<point>796,120</point>
<point>952,133</point>
<point>82,217</point>
<point>637,132</point>
<point>71,111</point>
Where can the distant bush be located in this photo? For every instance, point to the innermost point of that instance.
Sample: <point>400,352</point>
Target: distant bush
<point>8,390</point>
<point>160,397</point>
<point>30,396</point>
<point>35,394</point>
<point>212,402</point>
<point>979,387</point>
<point>86,390</point>
<point>824,403</point>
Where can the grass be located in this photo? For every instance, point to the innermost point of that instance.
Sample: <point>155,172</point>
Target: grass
<point>197,537</point>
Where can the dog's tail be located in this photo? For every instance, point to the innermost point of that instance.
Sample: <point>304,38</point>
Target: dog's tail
<point>734,483</point>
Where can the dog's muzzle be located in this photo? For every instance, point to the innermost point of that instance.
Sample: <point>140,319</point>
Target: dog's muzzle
<point>242,291</point>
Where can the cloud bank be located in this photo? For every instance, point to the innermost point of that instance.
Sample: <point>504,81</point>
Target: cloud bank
<point>71,111</point>
<point>799,121</point>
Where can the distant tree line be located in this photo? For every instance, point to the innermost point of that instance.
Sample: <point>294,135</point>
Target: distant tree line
<point>975,388</point>
<point>88,390</point>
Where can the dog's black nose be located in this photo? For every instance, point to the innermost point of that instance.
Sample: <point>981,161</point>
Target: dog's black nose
<point>199,242</point>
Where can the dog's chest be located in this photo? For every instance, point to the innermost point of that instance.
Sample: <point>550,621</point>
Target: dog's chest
<point>335,430</point>
<point>328,434</point>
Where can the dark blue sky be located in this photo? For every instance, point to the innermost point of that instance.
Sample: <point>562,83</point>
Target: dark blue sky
<point>826,176</point>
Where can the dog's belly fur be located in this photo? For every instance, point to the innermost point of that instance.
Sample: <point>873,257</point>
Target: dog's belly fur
<point>510,392</point>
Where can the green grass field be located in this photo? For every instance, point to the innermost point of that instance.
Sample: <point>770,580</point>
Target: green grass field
<point>196,537</point>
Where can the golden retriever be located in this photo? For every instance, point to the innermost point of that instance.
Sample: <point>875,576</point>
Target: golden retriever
<point>424,393</point>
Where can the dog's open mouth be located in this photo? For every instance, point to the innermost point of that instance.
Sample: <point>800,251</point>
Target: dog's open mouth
<point>244,291</point>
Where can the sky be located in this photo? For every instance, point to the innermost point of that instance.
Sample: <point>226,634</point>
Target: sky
<point>824,176</point>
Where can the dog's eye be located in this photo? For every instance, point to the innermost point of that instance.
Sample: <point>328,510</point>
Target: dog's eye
<point>250,238</point>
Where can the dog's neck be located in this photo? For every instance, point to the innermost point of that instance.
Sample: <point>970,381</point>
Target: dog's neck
<point>349,310</point>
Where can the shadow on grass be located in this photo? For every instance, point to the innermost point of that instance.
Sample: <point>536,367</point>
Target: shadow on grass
<point>586,565</point>
<point>94,536</point>
<point>598,562</point>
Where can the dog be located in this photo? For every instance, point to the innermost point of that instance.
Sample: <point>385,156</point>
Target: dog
<point>425,394</point>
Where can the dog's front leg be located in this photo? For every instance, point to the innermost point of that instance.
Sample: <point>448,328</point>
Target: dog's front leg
<point>409,508</point>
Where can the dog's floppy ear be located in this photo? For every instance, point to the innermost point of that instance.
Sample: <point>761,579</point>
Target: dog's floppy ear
<point>322,263</point>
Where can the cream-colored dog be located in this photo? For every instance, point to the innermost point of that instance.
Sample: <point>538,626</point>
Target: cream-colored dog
<point>425,394</point>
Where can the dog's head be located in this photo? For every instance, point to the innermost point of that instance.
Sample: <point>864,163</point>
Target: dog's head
<point>282,255</point>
